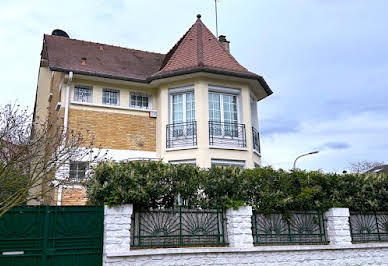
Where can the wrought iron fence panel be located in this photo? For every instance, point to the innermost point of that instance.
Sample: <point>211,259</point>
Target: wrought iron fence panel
<point>298,228</point>
<point>256,140</point>
<point>369,227</point>
<point>181,134</point>
<point>227,134</point>
<point>178,227</point>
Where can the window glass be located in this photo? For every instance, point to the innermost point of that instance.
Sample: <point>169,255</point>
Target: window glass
<point>190,107</point>
<point>230,108</point>
<point>83,94</point>
<point>78,170</point>
<point>214,107</point>
<point>140,100</point>
<point>177,108</point>
<point>226,163</point>
<point>110,97</point>
<point>183,113</point>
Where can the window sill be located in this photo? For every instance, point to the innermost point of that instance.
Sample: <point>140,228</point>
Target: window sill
<point>228,148</point>
<point>257,153</point>
<point>181,148</point>
<point>113,106</point>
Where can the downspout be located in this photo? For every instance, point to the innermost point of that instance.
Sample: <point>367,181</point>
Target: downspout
<point>65,122</point>
<point>66,116</point>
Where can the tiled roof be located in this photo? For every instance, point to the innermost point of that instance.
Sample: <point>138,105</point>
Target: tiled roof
<point>200,48</point>
<point>64,53</point>
<point>379,169</point>
<point>197,51</point>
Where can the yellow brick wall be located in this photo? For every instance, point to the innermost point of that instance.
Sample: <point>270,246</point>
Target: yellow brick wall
<point>74,196</point>
<point>115,130</point>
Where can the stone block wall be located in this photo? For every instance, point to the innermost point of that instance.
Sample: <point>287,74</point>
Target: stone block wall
<point>241,251</point>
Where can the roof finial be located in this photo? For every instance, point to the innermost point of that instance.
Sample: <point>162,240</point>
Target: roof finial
<point>199,16</point>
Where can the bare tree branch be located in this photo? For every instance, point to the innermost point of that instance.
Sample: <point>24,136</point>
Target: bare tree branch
<point>35,157</point>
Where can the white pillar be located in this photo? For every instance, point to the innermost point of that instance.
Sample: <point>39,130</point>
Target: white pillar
<point>338,229</point>
<point>117,228</point>
<point>239,227</point>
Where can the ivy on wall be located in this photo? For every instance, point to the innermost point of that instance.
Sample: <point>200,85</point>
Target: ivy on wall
<point>155,184</point>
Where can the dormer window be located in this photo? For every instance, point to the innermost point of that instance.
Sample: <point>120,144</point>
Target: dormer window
<point>83,94</point>
<point>140,100</point>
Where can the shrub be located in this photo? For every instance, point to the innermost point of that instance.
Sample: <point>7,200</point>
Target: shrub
<point>155,184</point>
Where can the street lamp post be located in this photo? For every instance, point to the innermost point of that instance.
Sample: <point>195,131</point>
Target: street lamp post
<point>310,153</point>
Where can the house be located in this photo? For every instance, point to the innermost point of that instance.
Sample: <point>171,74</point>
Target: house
<point>196,104</point>
<point>380,169</point>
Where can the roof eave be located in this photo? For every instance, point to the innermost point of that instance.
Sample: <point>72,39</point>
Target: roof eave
<point>260,79</point>
<point>97,74</point>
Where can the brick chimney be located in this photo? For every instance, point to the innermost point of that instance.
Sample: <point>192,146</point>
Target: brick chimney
<point>222,39</point>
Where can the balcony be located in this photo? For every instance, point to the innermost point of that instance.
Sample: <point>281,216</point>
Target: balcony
<point>180,135</point>
<point>228,135</point>
<point>256,140</point>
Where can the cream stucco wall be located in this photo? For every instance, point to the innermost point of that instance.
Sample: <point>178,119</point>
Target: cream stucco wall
<point>124,89</point>
<point>203,153</point>
<point>42,94</point>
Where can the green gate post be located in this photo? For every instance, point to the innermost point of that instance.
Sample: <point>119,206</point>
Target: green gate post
<point>45,235</point>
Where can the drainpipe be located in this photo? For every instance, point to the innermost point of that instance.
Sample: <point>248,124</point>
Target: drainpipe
<point>65,121</point>
<point>67,101</point>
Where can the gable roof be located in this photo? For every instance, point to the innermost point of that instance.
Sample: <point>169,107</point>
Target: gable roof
<point>197,51</point>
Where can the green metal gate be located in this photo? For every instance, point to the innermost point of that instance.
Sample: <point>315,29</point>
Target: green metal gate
<point>52,235</point>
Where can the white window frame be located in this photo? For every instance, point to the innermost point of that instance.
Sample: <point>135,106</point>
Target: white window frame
<point>112,90</point>
<point>222,162</point>
<point>83,87</point>
<point>142,94</point>
<point>183,91</point>
<point>77,178</point>
<point>231,92</point>
<point>255,123</point>
<point>188,161</point>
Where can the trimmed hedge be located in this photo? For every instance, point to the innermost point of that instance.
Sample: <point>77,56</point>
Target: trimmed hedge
<point>155,184</point>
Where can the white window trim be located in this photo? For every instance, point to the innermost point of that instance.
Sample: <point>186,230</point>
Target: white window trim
<point>108,104</point>
<point>238,104</point>
<point>182,148</point>
<point>86,170</point>
<point>178,90</point>
<point>182,91</point>
<point>113,107</point>
<point>227,90</point>
<point>228,162</point>
<point>142,94</point>
<point>83,86</point>
<point>187,161</point>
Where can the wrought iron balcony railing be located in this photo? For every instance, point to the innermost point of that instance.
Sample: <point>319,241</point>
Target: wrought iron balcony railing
<point>181,134</point>
<point>227,134</point>
<point>256,140</point>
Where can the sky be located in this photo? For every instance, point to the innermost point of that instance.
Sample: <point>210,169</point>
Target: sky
<point>326,62</point>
